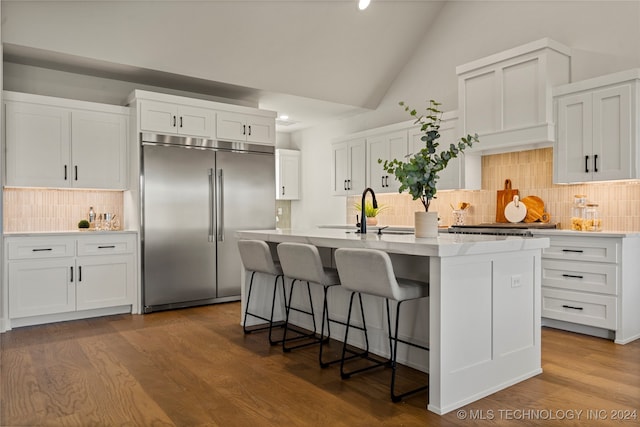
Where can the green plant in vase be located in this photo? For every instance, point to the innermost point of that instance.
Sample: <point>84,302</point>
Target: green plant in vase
<point>418,172</point>
<point>369,211</point>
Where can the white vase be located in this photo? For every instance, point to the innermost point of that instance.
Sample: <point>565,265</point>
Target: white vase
<point>426,224</point>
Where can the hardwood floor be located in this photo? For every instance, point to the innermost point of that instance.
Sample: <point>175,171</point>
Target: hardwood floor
<point>194,367</point>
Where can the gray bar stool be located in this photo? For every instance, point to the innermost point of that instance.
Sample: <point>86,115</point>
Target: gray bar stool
<point>256,257</point>
<point>302,263</point>
<point>370,272</point>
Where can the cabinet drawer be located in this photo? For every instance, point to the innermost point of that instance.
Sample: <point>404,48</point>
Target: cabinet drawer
<point>39,247</point>
<point>106,245</point>
<point>583,249</point>
<point>586,309</point>
<point>580,276</point>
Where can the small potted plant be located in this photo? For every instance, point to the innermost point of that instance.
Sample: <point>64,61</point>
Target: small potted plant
<point>83,225</point>
<point>418,172</point>
<point>370,212</point>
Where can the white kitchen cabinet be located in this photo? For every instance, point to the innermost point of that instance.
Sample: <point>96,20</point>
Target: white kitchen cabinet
<point>386,146</point>
<point>58,143</point>
<point>506,98</point>
<point>245,127</point>
<point>348,167</point>
<point>38,144</point>
<point>168,118</point>
<point>597,129</point>
<point>287,174</point>
<point>52,275</point>
<point>590,285</point>
<point>461,173</point>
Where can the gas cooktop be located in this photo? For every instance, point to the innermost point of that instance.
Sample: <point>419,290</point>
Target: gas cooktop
<point>509,225</point>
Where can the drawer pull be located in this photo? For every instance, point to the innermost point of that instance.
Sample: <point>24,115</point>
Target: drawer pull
<point>71,268</point>
<point>41,249</point>
<point>571,307</point>
<point>574,276</point>
<point>579,251</point>
<point>107,247</point>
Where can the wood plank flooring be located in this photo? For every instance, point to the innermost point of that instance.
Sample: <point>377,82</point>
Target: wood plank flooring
<point>195,367</point>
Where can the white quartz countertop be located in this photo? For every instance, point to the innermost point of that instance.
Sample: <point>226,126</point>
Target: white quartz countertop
<point>444,245</point>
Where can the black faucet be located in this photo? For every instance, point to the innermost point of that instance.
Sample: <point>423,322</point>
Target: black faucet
<point>363,218</point>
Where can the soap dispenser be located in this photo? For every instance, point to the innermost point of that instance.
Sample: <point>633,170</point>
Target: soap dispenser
<point>92,217</point>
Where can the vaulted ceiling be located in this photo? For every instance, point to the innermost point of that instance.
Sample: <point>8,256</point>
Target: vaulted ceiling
<point>311,59</point>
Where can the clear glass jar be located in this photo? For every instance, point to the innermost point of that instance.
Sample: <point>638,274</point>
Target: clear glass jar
<point>578,212</point>
<point>459,216</point>
<point>592,220</point>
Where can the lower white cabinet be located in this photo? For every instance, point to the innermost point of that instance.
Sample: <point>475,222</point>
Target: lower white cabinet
<point>50,275</point>
<point>590,284</point>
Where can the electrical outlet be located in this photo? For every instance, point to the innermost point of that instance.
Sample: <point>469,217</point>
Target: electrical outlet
<point>516,281</point>
<point>279,211</point>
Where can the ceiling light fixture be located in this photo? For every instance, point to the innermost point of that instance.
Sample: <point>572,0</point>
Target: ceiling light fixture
<point>363,4</point>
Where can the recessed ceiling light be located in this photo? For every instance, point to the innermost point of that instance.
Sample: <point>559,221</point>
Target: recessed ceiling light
<point>283,117</point>
<point>363,4</point>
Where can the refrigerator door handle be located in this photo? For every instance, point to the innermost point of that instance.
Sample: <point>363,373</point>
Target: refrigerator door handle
<point>211,205</point>
<point>220,204</point>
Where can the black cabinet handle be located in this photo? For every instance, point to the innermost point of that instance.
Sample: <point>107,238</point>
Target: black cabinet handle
<point>174,121</point>
<point>76,172</point>
<point>348,184</point>
<point>65,172</point>
<point>595,163</point>
<point>41,249</point>
<point>382,181</point>
<point>574,276</point>
<point>80,274</point>
<point>283,190</point>
<point>345,185</point>
<point>586,164</point>
<point>71,274</point>
<point>244,129</point>
<point>571,307</point>
<point>249,129</point>
<point>107,247</point>
<point>180,121</point>
<point>386,181</point>
<point>579,251</point>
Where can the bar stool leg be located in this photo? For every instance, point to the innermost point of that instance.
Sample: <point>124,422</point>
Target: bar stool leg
<point>270,319</point>
<point>365,353</point>
<point>301,335</point>
<point>398,397</point>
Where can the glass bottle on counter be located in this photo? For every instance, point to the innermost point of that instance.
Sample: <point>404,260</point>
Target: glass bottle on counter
<point>592,221</point>
<point>578,212</point>
<point>92,217</point>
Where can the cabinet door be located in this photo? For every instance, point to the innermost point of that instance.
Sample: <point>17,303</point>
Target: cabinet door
<point>612,143</point>
<point>339,168</point>
<point>261,130</point>
<point>357,169</point>
<point>40,287</point>
<point>231,126</point>
<point>398,149</point>
<point>377,148</point>
<point>159,117</point>
<point>574,153</point>
<point>195,121</point>
<point>288,175</point>
<point>105,281</point>
<point>38,145</point>
<point>99,150</point>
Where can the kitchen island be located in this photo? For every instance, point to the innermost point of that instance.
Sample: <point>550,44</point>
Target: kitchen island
<point>483,322</point>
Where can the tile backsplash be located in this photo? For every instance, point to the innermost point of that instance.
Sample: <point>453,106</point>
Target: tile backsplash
<point>36,209</point>
<point>531,172</point>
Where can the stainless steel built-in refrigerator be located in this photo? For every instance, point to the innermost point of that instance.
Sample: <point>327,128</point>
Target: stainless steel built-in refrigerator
<point>195,194</point>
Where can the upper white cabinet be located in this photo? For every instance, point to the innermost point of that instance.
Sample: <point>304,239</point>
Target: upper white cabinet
<point>245,127</point>
<point>287,174</point>
<point>506,97</point>
<point>463,172</point>
<point>597,128</point>
<point>387,146</point>
<point>59,143</point>
<point>179,115</point>
<point>164,117</point>
<point>348,167</point>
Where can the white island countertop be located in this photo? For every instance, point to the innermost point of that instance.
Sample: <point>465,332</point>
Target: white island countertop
<point>445,245</point>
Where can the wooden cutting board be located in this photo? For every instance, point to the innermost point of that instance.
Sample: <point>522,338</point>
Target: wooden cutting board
<point>504,197</point>
<point>535,208</point>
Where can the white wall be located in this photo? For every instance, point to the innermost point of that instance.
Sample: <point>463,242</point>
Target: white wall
<point>604,37</point>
